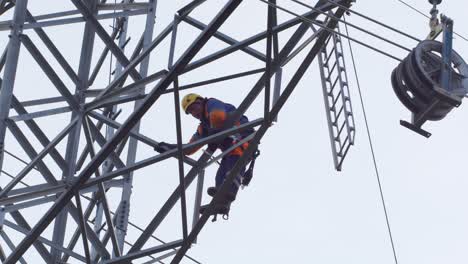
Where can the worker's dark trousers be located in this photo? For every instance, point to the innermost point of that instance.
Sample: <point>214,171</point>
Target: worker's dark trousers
<point>227,163</point>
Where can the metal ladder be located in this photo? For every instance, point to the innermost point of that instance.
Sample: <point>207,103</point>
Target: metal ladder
<point>337,98</point>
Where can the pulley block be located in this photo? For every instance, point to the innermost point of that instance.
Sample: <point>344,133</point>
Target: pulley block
<point>417,83</point>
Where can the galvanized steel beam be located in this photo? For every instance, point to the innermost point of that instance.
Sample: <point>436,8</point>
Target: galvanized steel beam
<point>124,130</point>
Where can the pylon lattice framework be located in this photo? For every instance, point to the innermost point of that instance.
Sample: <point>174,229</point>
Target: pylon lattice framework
<point>101,132</point>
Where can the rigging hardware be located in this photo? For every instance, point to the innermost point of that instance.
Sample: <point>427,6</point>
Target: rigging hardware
<point>432,79</point>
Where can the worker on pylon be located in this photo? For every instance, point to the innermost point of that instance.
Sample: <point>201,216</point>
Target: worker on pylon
<point>213,114</point>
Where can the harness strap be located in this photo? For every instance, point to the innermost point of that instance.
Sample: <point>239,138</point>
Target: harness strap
<point>249,172</point>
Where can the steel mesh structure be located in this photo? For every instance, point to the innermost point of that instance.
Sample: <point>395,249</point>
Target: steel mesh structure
<point>83,134</point>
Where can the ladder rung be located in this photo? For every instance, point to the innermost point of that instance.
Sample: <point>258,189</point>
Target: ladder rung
<point>336,99</point>
<point>330,55</point>
<point>334,85</point>
<point>334,66</point>
<point>341,128</point>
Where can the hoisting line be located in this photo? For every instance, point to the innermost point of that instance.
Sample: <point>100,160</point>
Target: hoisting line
<point>372,149</point>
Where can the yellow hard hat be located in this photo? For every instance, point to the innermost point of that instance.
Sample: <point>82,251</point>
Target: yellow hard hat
<point>188,100</point>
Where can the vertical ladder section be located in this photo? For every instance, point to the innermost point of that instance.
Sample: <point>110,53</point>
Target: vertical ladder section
<point>337,99</point>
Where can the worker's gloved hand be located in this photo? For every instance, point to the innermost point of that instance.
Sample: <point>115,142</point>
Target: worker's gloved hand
<point>212,147</point>
<point>163,147</point>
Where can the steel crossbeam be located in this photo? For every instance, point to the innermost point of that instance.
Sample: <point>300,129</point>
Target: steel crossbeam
<point>254,53</point>
<point>97,151</point>
<point>9,75</point>
<point>43,240</point>
<point>126,127</point>
<point>191,174</point>
<point>4,25</point>
<point>260,133</point>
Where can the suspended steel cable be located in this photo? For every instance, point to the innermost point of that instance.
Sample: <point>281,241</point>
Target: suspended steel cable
<point>408,5</point>
<point>16,157</point>
<point>360,28</point>
<point>374,159</point>
<point>304,19</point>
<point>421,13</point>
<point>372,20</point>
<point>362,103</point>
<point>11,176</point>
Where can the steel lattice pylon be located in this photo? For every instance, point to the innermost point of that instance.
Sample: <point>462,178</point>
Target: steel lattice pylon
<point>94,151</point>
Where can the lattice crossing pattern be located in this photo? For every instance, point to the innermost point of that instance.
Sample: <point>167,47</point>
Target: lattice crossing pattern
<point>79,143</point>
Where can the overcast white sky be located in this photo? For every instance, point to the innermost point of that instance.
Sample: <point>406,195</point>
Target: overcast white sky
<point>298,209</point>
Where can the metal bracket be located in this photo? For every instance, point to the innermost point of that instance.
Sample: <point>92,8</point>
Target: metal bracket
<point>418,120</point>
<point>443,93</point>
<point>416,129</point>
<point>447,24</point>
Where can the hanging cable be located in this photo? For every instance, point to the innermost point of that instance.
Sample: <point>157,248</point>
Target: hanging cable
<point>408,5</point>
<point>304,19</point>
<point>357,27</point>
<point>374,159</point>
<point>16,157</point>
<point>11,176</point>
<point>421,13</point>
<point>372,20</point>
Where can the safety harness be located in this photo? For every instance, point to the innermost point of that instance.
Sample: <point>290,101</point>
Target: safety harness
<point>248,174</point>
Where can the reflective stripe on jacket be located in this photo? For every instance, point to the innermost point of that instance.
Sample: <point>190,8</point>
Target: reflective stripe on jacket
<point>216,114</point>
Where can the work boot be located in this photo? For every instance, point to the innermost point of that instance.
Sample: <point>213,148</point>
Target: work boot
<point>219,208</point>
<point>229,196</point>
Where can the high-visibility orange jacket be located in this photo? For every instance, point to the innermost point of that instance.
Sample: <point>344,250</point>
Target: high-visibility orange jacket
<point>216,113</point>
